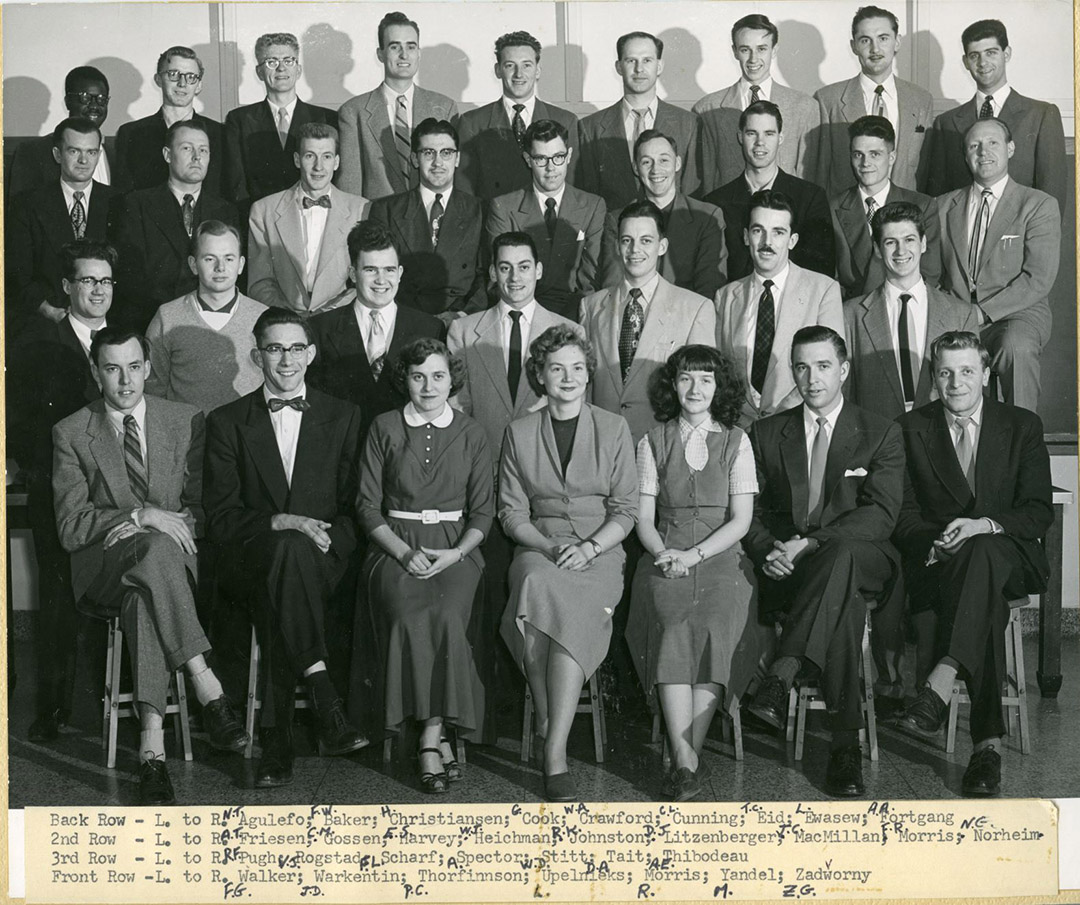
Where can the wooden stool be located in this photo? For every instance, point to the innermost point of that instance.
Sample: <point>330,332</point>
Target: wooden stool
<point>303,702</point>
<point>591,701</point>
<point>805,698</point>
<point>1014,693</point>
<point>730,732</point>
<point>117,703</point>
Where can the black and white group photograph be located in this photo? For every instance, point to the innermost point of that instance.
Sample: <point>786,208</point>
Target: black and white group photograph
<point>479,402</point>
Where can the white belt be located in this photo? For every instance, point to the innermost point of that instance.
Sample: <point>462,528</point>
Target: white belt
<point>428,516</point>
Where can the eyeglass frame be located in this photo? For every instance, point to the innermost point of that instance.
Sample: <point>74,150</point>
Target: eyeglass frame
<point>92,283</point>
<point>277,62</point>
<point>276,350</point>
<point>541,160</point>
<point>176,77</point>
<point>85,97</point>
<point>428,154</point>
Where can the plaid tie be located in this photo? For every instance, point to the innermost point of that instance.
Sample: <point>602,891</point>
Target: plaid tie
<point>377,344</point>
<point>78,216</point>
<point>763,339</point>
<point>133,459</point>
<point>630,333</point>
<point>986,111</point>
<point>401,134</point>
<point>518,125</point>
<point>871,208</point>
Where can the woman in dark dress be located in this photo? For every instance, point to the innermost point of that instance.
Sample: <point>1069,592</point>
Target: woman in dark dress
<point>426,503</point>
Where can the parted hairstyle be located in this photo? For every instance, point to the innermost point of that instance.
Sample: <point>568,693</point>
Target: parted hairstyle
<point>76,124</point>
<point>316,132</point>
<point>984,30</point>
<point>551,340</point>
<point>895,212</point>
<point>874,12</point>
<point>213,228</point>
<point>396,18</point>
<point>432,126</point>
<point>117,336</point>
<point>872,126</point>
<point>369,236</point>
<point>818,333</point>
<point>542,130</point>
<point>184,53</point>
<point>757,22</point>
<point>623,40</point>
<point>727,401</point>
<point>275,37</point>
<point>954,341</point>
<point>771,200</point>
<point>516,39</point>
<point>764,108</point>
<point>643,209</point>
<point>273,317</point>
<point>416,353</point>
<point>85,250</point>
<point>513,239</point>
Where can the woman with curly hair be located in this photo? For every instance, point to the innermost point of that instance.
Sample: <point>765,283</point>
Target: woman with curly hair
<point>567,497</point>
<point>692,626</point>
<point>426,502</point>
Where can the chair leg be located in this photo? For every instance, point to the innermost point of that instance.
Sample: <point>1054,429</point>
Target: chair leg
<point>110,689</point>
<point>792,709</point>
<point>800,729</point>
<point>1011,718</point>
<point>114,695</point>
<point>527,726</point>
<point>868,692</point>
<point>597,706</point>
<point>655,735</point>
<point>950,722</point>
<point>252,694</point>
<point>736,728</point>
<point>182,713</point>
<point>1021,681</point>
<point>387,750</point>
<point>459,750</point>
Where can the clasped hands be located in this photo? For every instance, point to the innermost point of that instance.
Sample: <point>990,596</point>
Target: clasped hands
<point>781,560</point>
<point>180,526</point>
<point>677,563</point>
<point>955,534</point>
<point>428,562</point>
<point>573,557</point>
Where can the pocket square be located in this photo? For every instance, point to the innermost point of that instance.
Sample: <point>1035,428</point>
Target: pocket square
<point>581,235</point>
<point>855,473</point>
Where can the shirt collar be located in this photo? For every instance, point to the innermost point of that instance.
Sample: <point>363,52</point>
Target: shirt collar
<point>880,198</point>
<point>178,194</point>
<point>709,425</point>
<point>224,309</point>
<point>116,417</point>
<point>917,292</point>
<point>869,86</point>
<point>386,312</point>
<point>414,419</point>
<point>268,394</point>
<point>427,196</point>
<point>779,280</point>
<point>996,189</point>
<point>69,193</point>
<point>82,331</point>
<point>301,194</point>
<point>290,106</point>
<point>976,416</point>
<point>654,104</point>
<point>391,96</point>
<point>529,105</point>
<point>999,96</point>
<point>647,291</point>
<point>542,197</point>
<point>767,185</point>
<point>765,86</point>
<point>810,418</point>
<point>527,311</point>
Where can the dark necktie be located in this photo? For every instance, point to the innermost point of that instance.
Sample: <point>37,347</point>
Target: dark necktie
<point>879,102</point>
<point>518,125</point>
<point>513,368</point>
<point>907,360</point>
<point>978,235</point>
<point>550,217</point>
<point>630,333</point>
<point>819,453</point>
<point>986,111</point>
<point>188,211</point>
<point>871,208</point>
<point>965,455</point>
<point>308,203</point>
<point>78,216</point>
<point>402,140</point>
<point>755,94</point>
<point>763,340</point>
<point>297,402</point>
<point>437,212</point>
<point>133,459</point>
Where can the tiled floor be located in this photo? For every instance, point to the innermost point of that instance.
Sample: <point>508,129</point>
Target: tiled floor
<point>71,771</point>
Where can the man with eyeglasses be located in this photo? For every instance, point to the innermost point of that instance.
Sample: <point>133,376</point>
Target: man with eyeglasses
<point>280,485</point>
<point>565,223</point>
<point>376,127</point>
<point>86,96</point>
<point>260,138</point>
<point>438,228</point>
<point>296,238</point>
<point>155,226</point>
<point>139,164</point>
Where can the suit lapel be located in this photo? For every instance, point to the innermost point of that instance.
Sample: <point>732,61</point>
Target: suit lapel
<point>936,324</point>
<point>876,324</point>
<point>291,231</point>
<point>793,455</point>
<point>54,214</point>
<point>841,448</point>
<point>651,331</point>
<point>334,236</point>
<point>258,434</point>
<point>738,327</point>
<point>789,319</point>
<point>607,324</point>
<point>382,133</point>
<point>993,438</point>
<point>165,213</point>
<point>97,217</point>
<point>852,103</point>
<point>547,439</point>
<point>532,218</point>
<point>455,225</point>
<point>1006,214</point>
<point>106,450</point>
<point>853,222</point>
<point>579,468</point>
<point>489,348</point>
<point>956,231</point>
<point>311,447</point>
<point>414,227</point>
<point>942,456</point>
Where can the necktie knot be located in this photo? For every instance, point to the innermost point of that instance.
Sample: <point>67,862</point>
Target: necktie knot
<point>822,421</point>
<point>549,204</point>
<point>78,196</point>
<point>987,109</point>
<point>963,421</point>
<point>879,90</point>
<point>871,208</point>
<point>636,294</point>
<point>518,108</point>
<point>768,284</point>
<point>297,402</point>
<point>755,92</point>
<point>515,316</point>
<point>987,194</point>
<point>131,424</point>
<point>189,199</point>
<point>904,299</point>
<point>323,201</point>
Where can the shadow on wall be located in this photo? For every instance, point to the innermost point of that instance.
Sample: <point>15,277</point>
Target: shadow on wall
<point>125,89</point>
<point>682,62</point>
<point>929,47</point>
<point>445,68</point>
<point>211,55</point>
<point>26,105</point>
<point>328,59</point>
<point>576,60</point>
<point>800,55</point>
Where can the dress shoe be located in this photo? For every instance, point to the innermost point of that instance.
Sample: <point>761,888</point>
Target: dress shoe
<point>275,767</point>
<point>704,771</point>
<point>560,787</point>
<point>154,785</point>
<point>843,776</point>
<point>685,785</point>
<point>46,728</point>
<point>223,726</point>
<point>925,716</point>
<point>336,735</point>
<point>433,783</point>
<point>982,778</point>
<point>770,703</point>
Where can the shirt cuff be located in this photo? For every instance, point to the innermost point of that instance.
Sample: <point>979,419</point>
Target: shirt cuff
<point>135,518</point>
<point>995,528</point>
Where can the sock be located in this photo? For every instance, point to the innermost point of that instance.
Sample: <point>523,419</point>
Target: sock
<point>206,685</point>
<point>843,738</point>
<point>314,668</point>
<point>987,743</point>
<point>941,680</point>
<point>152,744</point>
<point>785,669</point>
<point>322,689</point>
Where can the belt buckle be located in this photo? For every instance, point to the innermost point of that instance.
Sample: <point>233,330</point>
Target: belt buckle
<point>429,516</point>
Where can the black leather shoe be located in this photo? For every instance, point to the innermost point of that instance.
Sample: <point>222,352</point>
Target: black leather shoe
<point>685,785</point>
<point>982,778</point>
<point>843,777</point>
<point>223,726</point>
<point>46,728</point>
<point>275,767</point>
<point>770,703</point>
<point>925,716</point>
<point>560,787</point>
<point>154,785</point>
<point>336,735</point>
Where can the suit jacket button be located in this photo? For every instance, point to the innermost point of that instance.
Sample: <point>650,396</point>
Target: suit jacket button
<point>566,499</point>
<point>624,405</point>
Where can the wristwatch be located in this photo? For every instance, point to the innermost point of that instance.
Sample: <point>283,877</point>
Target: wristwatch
<point>599,550</point>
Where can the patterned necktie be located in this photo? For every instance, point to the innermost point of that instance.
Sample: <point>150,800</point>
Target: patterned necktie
<point>78,216</point>
<point>907,360</point>
<point>871,207</point>
<point>518,125</point>
<point>401,134</point>
<point>283,126</point>
<point>965,455</point>
<point>550,217</point>
<point>297,402</point>
<point>323,201</point>
<point>755,94</point>
<point>437,212</point>
<point>879,102</point>
<point>188,210</point>
<point>630,333</point>
<point>978,236</point>
<point>376,344</point>
<point>133,459</point>
<point>819,453</point>
<point>763,340</point>
<point>986,111</point>
<point>513,369</point>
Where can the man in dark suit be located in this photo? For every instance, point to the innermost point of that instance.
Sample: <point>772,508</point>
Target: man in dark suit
<point>154,227</point>
<point>566,224</point>
<point>977,504</point>
<point>127,481</point>
<point>280,492</point>
<point>438,228</point>
<point>761,128</point>
<point>873,153</point>
<point>376,127</point>
<point>493,136</point>
<point>606,165</point>
<point>831,477</point>
<point>696,258</point>
<point>1039,161</point>
<point>40,221</point>
<point>358,340</point>
<point>1000,249</point>
<point>139,162</point>
<point>260,142</point>
<point>86,96</point>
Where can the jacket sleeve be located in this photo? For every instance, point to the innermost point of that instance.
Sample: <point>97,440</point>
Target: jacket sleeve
<point>227,518</point>
<point>759,538</point>
<point>1032,509</point>
<point>79,523</point>
<point>157,382</point>
<point>342,529</point>
<point>262,284</point>
<point>514,506</point>
<point>622,498</point>
<point>588,271</point>
<point>710,269</point>
<point>1051,164</point>
<point>351,172</point>
<point>235,178</point>
<point>191,494</point>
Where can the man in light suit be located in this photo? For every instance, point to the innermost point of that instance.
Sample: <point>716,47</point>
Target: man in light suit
<point>376,127</point>
<point>696,258</point>
<point>438,228</point>
<point>566,224</point>
<point>296,239</point>
<point>753,43</point>
<point>890,330</point>
<point>761,135</point>
<point>1039,161</point>
<point>832,478</point>
<point>493,136</point>
<point>127,479</point>
<point>260,138</point>
<point>757,316</point>
<point>873,153</point>
<point>605,167</point>
<point>875,38</point>
<point>636,324</point>
<point>977,505</point>
<point>1000,247</point>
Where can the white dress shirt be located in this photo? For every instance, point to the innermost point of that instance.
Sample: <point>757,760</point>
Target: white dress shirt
<point>974,426</point>
<point>998,99</point>
<point>757,286</point>
<point>526,114</point>
<point>880,199</point>
<point>290,109</point>
<point>506,323</point>
<point>541,198</point>
<point>116,420</point>
<point>286,423</point>
<point>810,426</point>
<point>69,196</point>
<point>746,96</point>
<point>387,316</point>
<point>313,224</point>
<point>390,96</point>
<point>427,196</point>
<point>630,120</point>
<point>178,194</point>
<point>892,102</point>
<point>975,199</point>
<point>648,290</point>
<point>82,332</point>
<point>918,308</point>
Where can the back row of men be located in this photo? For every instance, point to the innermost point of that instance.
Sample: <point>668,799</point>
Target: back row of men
<point>445,192</point>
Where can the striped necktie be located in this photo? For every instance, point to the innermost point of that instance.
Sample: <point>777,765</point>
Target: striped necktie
<point>133,459</point>
<point>401,134</point>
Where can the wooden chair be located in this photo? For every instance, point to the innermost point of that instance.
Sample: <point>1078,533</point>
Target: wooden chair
<point>254,703</point>
<point>591,702</point>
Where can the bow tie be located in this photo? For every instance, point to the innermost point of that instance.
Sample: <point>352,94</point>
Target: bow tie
<point>297,402</point>
<point>323,201</point>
